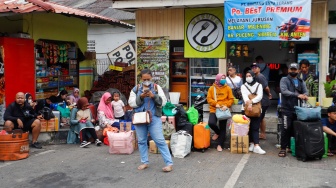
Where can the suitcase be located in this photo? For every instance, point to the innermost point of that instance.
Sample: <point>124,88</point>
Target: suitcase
<point>309,140</point>
<point>201,136</point>
<point>120,143</point>
<point>14,146</point>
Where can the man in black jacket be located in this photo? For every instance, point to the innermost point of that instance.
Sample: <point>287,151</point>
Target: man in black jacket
<point>20,115</point>
<point>292,89</point>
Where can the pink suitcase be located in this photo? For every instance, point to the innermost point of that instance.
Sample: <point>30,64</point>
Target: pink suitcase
<point>171,119</point>
<point>120,143</point>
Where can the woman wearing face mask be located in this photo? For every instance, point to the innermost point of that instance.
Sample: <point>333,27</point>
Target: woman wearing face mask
<point>149,96</point>
<point>252,85</point>
<point>224,100</point>
<point>29,100</point>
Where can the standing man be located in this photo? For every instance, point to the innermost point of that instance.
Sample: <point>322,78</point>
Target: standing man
<point>304,69</point>
<point>292,89</point>
<point>264,69</point>
<point>265,101</point>
<point>20,115</point>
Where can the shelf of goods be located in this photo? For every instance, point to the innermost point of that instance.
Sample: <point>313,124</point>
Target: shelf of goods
<point>179,72</point>
<point>56,67</point>
<point>202,75</point>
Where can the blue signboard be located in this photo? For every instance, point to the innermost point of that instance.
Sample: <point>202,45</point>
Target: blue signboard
<point>279,20</point>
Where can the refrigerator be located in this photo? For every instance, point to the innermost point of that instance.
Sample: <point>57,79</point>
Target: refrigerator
<point>17,68</point>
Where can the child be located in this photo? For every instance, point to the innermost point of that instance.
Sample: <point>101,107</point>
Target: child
<point>118,106</point>
<point>85,122</point>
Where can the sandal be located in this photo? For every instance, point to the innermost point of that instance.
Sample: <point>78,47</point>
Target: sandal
<point>282,153</point>
<point>143,166</point>
<point>262,137</point>
<point>289,151</point>
<point>330,154</point>
<point>168,168</point>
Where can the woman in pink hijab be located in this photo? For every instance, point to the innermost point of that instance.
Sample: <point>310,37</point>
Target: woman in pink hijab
<point>105,112</point>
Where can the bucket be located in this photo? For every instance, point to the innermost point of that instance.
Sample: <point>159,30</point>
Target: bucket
<point>326,102</point>
<point>174,97</point>
<point>312,101</point>
<point>235,101</point>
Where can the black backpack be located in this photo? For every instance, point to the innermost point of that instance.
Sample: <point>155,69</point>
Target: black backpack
<point>47,113</point>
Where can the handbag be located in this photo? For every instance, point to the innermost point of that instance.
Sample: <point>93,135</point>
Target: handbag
<point>256,107</point>
<point>236,91</point>
<point>142,118</point>
<point>168,129</point>
<point>306,113</point>
<point>222,114</point>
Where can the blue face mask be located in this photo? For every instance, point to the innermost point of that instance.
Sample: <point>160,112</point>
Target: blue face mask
<point>222,82</point>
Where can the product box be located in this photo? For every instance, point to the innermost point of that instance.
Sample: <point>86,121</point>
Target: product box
<point>53,125</point>
<point>154,149</point>
<point>112,67</point>
<point>126,126</point>
<point>171,119</point>
<point>131,67</point>
<point>239,144</point>
<point>44,125</point>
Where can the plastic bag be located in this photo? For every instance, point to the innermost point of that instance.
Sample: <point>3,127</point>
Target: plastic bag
<point>169,109</point>
<point>192,114</point>
<point>168,129</point>
<point>65,112</point>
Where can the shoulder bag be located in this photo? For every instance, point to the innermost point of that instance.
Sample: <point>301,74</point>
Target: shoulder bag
<point>142,118</point>
<point>236,91</point>
<point>256,107</point>
<point>222,114</point>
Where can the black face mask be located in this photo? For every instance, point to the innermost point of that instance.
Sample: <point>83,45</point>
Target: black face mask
<point>293,74</point>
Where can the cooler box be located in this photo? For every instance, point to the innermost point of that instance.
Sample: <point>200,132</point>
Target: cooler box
<point>58,116</point>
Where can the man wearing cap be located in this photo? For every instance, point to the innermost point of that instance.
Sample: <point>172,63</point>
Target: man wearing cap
<point>292,89</point>
<point>264,69</point>
<point>265,101</point>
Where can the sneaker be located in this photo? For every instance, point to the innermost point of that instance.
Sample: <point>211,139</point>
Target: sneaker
<point>98,142</point>
<point>84,144</point>
<point>251,147</point>
<point>36,145</point>
<point>257,149</point>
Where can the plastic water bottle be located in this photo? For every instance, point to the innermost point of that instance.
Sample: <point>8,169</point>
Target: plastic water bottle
<point>326,145</point>
<point>292,146</point>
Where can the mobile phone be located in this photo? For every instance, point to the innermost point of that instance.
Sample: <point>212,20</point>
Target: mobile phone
<point>146,90</point>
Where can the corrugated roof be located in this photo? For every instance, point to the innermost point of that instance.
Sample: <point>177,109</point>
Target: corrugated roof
<point>28,6</point>
<point>101,7</point>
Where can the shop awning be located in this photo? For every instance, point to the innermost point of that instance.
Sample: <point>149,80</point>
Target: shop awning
<point>29,6</point>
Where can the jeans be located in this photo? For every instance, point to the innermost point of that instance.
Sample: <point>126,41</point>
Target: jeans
<point>155,131</point>
<point>287,128</point>
<point>221,131</point>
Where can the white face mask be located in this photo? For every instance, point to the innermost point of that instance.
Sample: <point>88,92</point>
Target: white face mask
<point>30,101</point>
<point>147,83</point>
<point>249,79</point>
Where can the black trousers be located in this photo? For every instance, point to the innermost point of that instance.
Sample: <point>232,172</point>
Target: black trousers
<point>221,131</point>
<point>84,134</point>
<point>287,128</point>
<point>331,142</point>
<point>254,128</point>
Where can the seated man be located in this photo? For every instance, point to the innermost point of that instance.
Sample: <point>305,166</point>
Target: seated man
<point>20,115</point>
<point>329,127</point>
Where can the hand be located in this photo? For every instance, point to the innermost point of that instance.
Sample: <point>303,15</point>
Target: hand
<point>40,117</point>
<point>92,120</point>
<point>150,94</point>
<point>223,108</point>
<point>249,108</point>
<point>270,96</point>
<point>303,97</point>
<point>20,124</point>
<point>217,106</point>
<point>108,126</point>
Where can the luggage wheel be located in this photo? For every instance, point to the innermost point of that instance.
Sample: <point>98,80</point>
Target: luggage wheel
<point>202,150</point>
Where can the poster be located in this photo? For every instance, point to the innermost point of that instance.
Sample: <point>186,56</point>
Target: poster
<point>204,33</point>
<point>153,53</point>
<point>123,53</point>
<point>277,20</point>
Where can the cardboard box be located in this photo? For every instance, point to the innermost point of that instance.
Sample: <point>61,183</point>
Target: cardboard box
<point>171,119</point>
<point>44,125</point>
<point>126,126</point>
<point>131,67</point>
<point>239,144</point>
<point>154,149</point>
<point>53,125</point>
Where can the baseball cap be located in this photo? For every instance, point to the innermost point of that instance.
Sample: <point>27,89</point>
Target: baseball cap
<point>255,65</point>
<point>294,66</point>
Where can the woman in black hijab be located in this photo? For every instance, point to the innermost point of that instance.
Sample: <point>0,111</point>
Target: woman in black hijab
<point>60,98</point>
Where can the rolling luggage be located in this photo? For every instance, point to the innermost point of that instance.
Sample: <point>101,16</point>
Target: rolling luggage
<point>201,136</point>
<point>120,143</point>
<point>309,140</point>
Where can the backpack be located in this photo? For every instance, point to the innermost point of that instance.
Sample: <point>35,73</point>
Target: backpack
<point>47,113</point>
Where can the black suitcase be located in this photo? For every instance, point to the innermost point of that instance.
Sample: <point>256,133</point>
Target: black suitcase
<point>309,140</point>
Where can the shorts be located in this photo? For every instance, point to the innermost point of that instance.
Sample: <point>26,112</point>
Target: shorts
<point>26,124</point>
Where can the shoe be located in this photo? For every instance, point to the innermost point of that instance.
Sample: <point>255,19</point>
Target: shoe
<point>98,142</point>
<point>36,145</point>
<point>251,147</point>
<point>84,144</point>
<point>257,149</point>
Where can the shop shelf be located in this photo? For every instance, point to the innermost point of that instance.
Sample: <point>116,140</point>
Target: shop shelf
<point>198,85</point>
<point>196,94</point>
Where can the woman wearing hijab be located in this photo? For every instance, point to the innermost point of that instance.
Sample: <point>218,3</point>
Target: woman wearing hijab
<point>82,121</point>
<point>252,86</point>
<point>105,112</point>
<point>224,100</point>
<point>29,100</point>
<point>73,98</point>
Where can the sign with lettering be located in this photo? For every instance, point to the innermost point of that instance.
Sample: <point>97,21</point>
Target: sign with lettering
<point>204,33</point>
<point>278,20</point>
<point>124,53</point>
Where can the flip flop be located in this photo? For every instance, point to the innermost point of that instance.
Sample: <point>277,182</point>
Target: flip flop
<point>143,166</point>
<point>282,153</point>
<point>168,168</point>
<point>330,154</point>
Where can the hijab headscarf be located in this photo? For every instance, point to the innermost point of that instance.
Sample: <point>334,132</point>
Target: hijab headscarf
<point>106,108</point>
<point>27,95</point>
<point>253,76</point>
<point>218,79</point>
<point>82,102</point>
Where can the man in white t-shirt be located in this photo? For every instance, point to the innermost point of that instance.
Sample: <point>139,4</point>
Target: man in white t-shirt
<point>233,81</point>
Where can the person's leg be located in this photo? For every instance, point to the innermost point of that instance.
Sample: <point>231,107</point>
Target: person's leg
<point>155,130</point>
<point>332,143</point>
<point>254,129</point>
<point>263,123</point>
<point>212,122</point>
<point>36,129</point>
<point>222,134</point>
<point>142,134</point>
<point>286,132</point>
<point>9,125</point>
<point>92,132</point>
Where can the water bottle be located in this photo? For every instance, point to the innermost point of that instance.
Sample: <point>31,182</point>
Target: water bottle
<point>292,146</point>
<point>326,145</point>
<point>64,104</point>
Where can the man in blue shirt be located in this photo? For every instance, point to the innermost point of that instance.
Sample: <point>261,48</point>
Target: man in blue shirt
<point>329,127</point>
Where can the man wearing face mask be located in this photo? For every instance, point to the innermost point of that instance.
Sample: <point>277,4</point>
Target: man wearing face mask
<point>223,99</point>
<point>292,89</point>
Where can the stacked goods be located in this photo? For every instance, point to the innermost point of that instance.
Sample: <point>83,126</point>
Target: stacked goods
<point>239,134</point>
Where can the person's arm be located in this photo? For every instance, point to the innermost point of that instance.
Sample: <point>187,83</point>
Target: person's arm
<point>328,131</point>
<point>230,98</point>
<point>8,114</point>
<point>284,88</point>
<point>160,98</point>
<point>135,100</point>
<point>211,97</point>
<point>259,95</point>
<point>245,94</point>
<point>123,106</point>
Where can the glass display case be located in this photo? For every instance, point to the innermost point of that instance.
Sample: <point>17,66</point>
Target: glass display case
<point>203,73</point>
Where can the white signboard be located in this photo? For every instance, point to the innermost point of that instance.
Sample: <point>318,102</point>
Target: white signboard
<point>124,53</point>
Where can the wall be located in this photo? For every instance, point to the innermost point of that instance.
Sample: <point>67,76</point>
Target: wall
<point>108,37</point>
<point>12,24</point>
